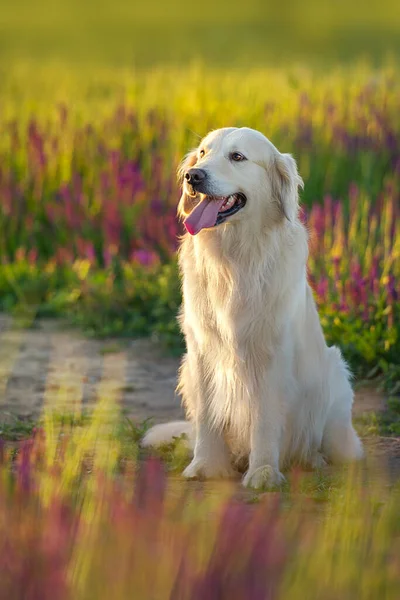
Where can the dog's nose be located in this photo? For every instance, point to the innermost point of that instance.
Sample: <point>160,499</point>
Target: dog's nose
<point>195,176</point>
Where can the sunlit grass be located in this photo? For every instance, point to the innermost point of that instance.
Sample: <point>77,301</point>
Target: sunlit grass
<point>97,522</point>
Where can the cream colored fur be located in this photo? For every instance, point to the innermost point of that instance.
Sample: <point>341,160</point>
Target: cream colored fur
<point>258,381</point>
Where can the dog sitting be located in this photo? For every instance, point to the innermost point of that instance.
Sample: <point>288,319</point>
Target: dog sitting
<point>258,381</point>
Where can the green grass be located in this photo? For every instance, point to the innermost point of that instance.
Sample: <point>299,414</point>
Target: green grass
<point>384,423</point>
<point>16,429</point>
<point>125,435</point>
<point>112,348</point>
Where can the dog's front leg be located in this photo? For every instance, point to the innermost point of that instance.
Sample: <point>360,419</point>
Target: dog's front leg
<point>211,455</point>
<point>265,436</point>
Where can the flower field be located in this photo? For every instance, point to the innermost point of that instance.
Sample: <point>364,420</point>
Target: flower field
<point>81,518</point>
<point>88,193</point>
<point>88,232</point>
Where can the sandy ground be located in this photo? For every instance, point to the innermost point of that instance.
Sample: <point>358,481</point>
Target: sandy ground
<point>56,368</point>
<point>60,369</point>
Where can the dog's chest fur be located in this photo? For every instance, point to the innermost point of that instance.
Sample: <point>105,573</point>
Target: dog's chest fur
<point>233,298</point>
<point>223,316</point>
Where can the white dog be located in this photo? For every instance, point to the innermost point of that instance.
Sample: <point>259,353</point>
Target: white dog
<point>258,381</point>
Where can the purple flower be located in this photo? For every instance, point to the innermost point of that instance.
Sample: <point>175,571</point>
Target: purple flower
<point>146,258</point>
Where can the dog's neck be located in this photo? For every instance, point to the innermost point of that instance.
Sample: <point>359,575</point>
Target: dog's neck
<point>223,266</point>
<point>243,252</point>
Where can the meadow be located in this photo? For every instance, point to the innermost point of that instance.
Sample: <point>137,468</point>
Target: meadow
<point>88,232</point>
<point>89,193</point>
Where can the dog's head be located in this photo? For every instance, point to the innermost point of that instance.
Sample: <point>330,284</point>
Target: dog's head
<point>237,176</point>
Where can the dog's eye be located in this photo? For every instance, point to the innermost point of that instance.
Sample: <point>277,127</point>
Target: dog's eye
<point>201,153</point>
<point>237,156</point>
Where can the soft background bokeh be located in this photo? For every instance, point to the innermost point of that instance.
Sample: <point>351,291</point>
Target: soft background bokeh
<point>98,103</point>
<point>132,33</point>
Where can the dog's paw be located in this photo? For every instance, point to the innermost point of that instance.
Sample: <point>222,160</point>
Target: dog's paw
<point>264,477</point>
<point>201,468</point>
<point>318,461</point>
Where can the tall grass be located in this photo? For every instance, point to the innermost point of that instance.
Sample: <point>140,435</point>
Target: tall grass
<point>89,168</point>
<point>77,521</point>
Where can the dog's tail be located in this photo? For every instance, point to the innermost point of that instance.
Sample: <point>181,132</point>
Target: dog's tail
<point>166,432</point>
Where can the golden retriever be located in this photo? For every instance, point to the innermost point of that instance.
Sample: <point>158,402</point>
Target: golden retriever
<point>258,381</point>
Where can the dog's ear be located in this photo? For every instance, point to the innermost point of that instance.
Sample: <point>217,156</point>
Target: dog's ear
<point>285,183</point>
<point>185,203</point>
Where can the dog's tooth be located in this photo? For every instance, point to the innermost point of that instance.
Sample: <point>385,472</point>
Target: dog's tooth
<point>229,202</point>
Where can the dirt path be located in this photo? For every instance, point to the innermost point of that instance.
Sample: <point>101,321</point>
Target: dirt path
<point>61,370</point>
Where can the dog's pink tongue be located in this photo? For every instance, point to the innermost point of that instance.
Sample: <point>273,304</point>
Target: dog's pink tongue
<point>203,215</point>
